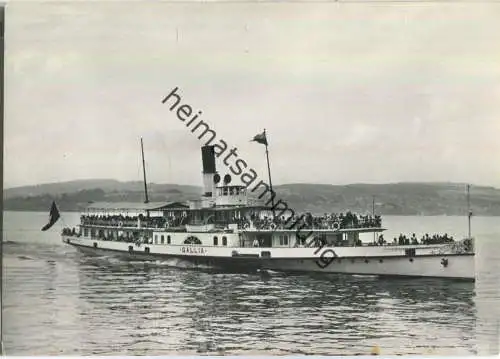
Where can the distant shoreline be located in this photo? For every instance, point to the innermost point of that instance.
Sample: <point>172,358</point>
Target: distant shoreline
<point>398,199</point>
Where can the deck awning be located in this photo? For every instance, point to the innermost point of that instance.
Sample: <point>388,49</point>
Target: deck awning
<point>137,206</point>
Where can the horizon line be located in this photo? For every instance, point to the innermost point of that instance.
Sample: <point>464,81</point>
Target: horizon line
<point>277,185</point>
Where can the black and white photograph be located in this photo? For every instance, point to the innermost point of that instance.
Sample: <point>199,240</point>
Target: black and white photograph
<point>263,178</point>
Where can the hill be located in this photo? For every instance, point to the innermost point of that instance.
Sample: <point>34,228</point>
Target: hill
<point>390,199</point>
<point>77,195</point>
<point>393,199</point>
<point>107,185</point>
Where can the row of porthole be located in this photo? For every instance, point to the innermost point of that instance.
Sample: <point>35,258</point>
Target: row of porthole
<point>339,260</point>
<point>224,241</point>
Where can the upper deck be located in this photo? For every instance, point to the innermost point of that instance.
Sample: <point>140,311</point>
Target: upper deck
<point>175,216</point>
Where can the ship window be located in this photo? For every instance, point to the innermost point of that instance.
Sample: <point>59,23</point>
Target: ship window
<point>284,240</point>
<point>265,254</point>
<point>216,241</point>
<point>86,232</point>
<point>162,239</point>
<point>410,252</point>
<point>92,233</point>
<point>168,239</point>
<point>224,241</point>
<point>156,239</point>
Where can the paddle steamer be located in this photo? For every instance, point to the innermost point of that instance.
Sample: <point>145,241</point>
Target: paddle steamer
<point>227,229</point>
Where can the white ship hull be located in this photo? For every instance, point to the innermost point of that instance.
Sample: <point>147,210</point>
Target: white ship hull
<point>459,266</point>
<point>429,261</point>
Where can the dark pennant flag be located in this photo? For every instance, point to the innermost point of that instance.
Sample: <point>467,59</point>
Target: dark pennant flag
<point>53,216</point>
<point>260,138</point>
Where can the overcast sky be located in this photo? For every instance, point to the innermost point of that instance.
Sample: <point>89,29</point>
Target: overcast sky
<point>348,92</point>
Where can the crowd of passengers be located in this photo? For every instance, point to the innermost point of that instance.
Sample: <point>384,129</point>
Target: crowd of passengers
<point>132,221</point>
<point>426,239</point>
<point>129,238</point>
<point>308,221</point>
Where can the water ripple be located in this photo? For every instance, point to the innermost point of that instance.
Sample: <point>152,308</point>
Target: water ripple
<point>60,302</point>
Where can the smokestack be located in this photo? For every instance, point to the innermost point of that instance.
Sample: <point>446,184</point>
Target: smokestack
<point>209,170</point>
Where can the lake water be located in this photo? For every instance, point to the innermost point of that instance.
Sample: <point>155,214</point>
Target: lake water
<point>57,301</point>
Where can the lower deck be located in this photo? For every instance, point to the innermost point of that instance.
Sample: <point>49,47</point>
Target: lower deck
<point>282,243</point>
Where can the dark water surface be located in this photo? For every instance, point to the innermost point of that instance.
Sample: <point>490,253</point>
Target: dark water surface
<point>57,301</point>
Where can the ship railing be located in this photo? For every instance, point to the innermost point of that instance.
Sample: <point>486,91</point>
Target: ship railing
<point>125,224</point>
<point>271,226</point>
<point>117,221</point>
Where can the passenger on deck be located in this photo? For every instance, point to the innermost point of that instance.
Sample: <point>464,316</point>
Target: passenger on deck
<point>256,243</point>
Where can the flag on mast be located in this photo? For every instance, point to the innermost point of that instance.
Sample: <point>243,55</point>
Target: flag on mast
<point>260,138</point>
<point>53,216</point>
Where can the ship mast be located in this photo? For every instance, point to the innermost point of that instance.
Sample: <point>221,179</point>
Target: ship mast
<point>269,172</point>
<point>144,173</point>
<point>469,211</point>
